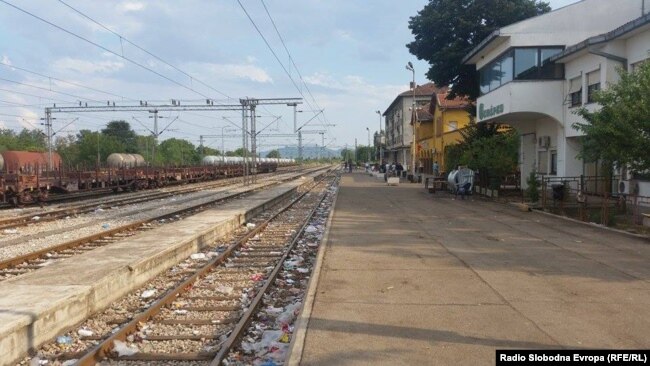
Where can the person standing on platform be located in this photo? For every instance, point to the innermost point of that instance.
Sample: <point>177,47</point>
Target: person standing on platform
<point>350,165</point>
<point>436,169</point>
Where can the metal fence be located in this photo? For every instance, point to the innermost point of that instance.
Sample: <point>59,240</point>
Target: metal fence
<point>594,199</point>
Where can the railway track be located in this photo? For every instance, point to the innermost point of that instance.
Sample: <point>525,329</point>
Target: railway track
<point>35,260</point>
<point>207,301</point>
<point>51,215</point>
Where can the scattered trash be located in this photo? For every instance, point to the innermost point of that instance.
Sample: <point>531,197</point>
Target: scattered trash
<point>147,294</point>
<point>257,277</point>
<point>85,332</point>
<point>67,217</point>
<point>70,362</point>
<point>285,338</point>
<point>99,210</point>
<point>106,226</point>
<point>10,231</point>
<point>250,225</point>
<point>197,256</point>
<point>36,218</point>
<point>180,312</point>
<point>303,270</point>
<point>122,349</point>
<point>273,310</point>
<point>289,314</point>
<point>64,340</point>
<point>225,289</point>
<point>311,229</point>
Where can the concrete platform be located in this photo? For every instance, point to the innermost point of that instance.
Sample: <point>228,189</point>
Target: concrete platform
<point>410,278</point>
<point>35,307</point>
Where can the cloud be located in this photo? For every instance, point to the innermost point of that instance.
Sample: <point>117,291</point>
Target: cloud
<point>127,6</point>
<point>86,66</point>
<point>6,60</point>
<point>234,71</point>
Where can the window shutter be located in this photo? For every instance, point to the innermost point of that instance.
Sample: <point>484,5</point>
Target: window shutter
<point>575,85</point>
<point>593,77</point>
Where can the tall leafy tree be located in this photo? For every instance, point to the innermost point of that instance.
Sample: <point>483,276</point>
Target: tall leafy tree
<point>178,152</point>
<point>273,154</point>
<point>447,30</point>
<point>619,132</point>
<point>122,131</point>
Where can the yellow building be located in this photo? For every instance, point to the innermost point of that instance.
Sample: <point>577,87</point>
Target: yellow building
<point>438,127</point>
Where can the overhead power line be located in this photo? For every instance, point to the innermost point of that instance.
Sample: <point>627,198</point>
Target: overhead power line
<point>273,52</point>
<point>122,38</point>
<point>105,49</point>
<point>289,54</point>
<point>12,66</point>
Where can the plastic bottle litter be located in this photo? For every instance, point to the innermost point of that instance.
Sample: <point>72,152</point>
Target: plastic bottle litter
<point>105,226</point>
<point>122,349</point>
<point>147,294</point>
<point>85,332</point>
<point>198,256</point>
<point>36,218</point>
<point>63,340</point>
<point>250,225</point>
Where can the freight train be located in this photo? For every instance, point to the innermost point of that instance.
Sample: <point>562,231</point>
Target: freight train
<point>25,179</point>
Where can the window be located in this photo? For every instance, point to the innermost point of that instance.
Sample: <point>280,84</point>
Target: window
<point>593,82</point>
<point>554,162</point>
<point>542,162</point>
<point>526,63</point>
<point>521,64</point>
<point>575,91</point>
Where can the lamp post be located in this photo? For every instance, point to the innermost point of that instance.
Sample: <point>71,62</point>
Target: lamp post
<point>381,155</point>
<point>409,66</point>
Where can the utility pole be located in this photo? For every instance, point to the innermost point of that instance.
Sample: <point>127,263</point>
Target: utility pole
<point>368,152</point>
<point>253,104</point>
<point>355,151</point>
<point>201,144</point>
<point>322,145</point>
<point>155,135</point>
<point>300,148</point>
<point>244,140</point>
<point>48,123</point>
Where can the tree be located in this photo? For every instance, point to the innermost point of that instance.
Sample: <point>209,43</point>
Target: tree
<point>273,154</point>
<point>238,152</point>
<point>122,131</point>
<point>619,133</point>
<point>178,152</point>
<point>447,30</point>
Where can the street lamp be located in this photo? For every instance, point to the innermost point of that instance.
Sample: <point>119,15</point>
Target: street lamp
<point>409,66</point>
<point>381,155</point>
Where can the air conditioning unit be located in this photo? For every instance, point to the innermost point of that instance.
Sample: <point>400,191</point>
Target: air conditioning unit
<point>544,141</point>
<point>627,187</point>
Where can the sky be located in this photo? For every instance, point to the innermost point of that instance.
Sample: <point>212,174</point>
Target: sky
<point>345,57</point>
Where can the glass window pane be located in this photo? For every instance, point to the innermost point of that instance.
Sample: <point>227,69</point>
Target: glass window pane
<point>526,63</point>
<point>506,68</point>
<point>495,75</point>
<point>549,52</point>
<point>542,162</point>
<point>485,79</point>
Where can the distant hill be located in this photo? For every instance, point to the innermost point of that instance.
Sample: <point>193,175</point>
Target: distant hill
<point>308,152</point>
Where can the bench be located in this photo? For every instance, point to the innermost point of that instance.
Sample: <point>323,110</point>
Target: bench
<point>432,184</point>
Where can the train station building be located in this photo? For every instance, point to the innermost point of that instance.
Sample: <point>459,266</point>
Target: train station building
<point>534,74</point>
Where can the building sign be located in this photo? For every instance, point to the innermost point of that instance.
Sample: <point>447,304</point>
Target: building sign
<point>492,111</point>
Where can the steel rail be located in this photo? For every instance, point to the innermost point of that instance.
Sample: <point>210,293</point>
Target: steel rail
<point>14,262</point>
<point>104,349</point>
<point>243,323</point>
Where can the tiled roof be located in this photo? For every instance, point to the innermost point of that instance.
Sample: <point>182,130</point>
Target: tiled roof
<point>440,99</point>
<point>424,90</point>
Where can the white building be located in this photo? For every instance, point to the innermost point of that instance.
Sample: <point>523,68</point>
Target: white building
<point>399,132</point>
<point>534,74</point>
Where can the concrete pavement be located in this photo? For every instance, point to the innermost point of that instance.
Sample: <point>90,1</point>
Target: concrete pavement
<point>410,278</point>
